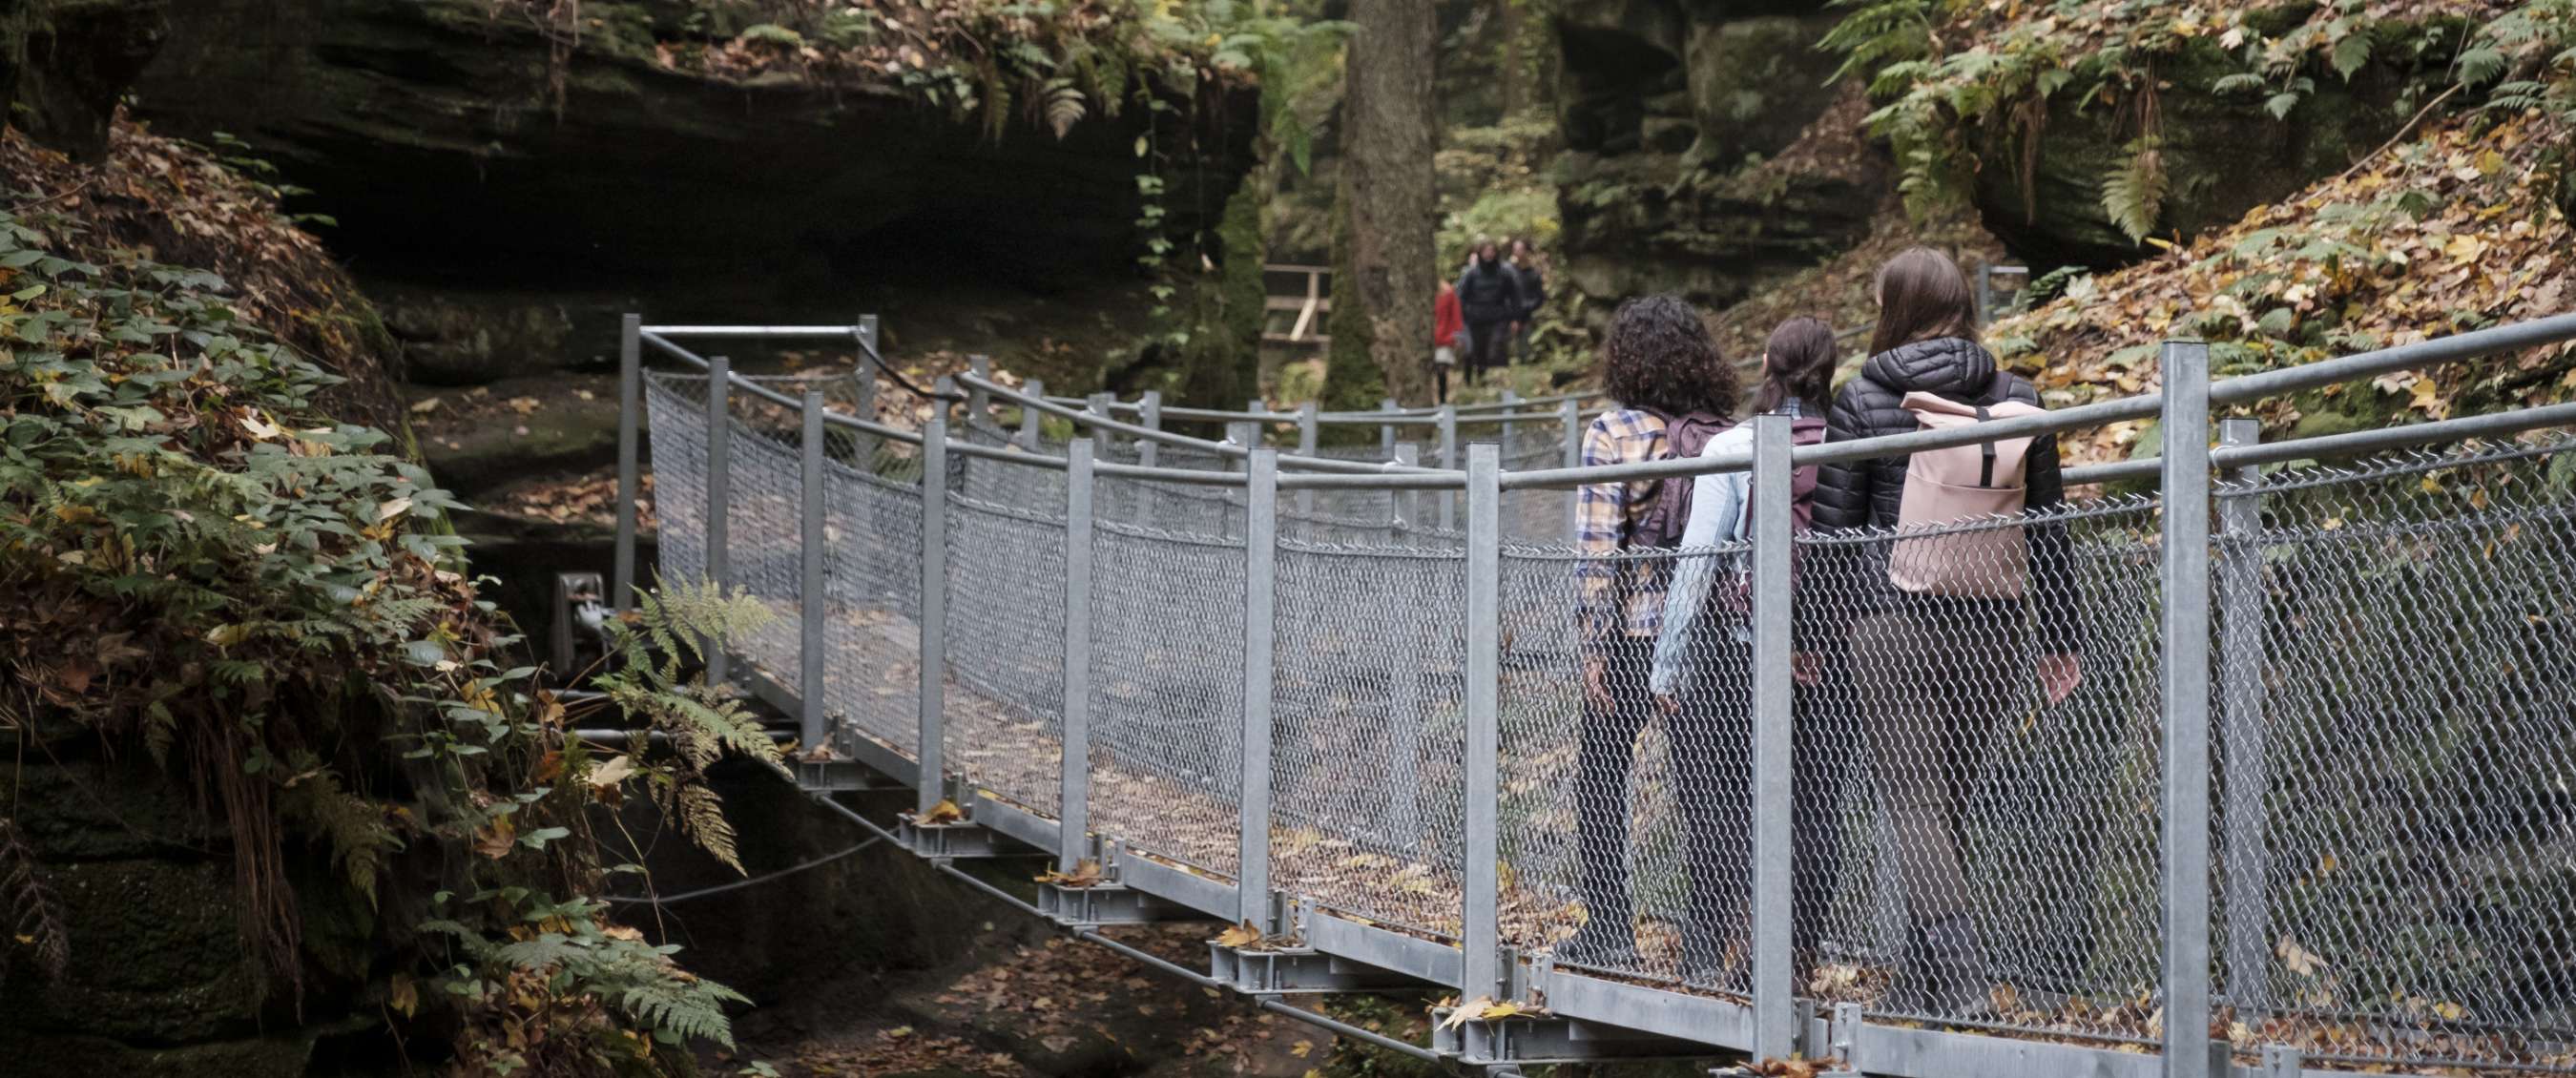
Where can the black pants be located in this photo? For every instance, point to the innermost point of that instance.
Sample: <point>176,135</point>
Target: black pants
<point>1712,740</point>
<point>1492,346</point>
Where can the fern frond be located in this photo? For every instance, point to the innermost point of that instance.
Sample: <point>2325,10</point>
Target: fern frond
<point>29,905</point>
<point>351,826</point>
<point>701,815</point>
<point>2134,194</point>
<point>1064,106</point>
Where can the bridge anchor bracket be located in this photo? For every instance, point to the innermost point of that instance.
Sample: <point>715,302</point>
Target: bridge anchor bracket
<point>1296,969</point>
<point>945,840</point>
<point>1532,1037</point>
<point>1108,904</point>
<point>841,776</point>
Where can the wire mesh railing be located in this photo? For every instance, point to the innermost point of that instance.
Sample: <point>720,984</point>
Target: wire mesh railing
<point>2308,794</point>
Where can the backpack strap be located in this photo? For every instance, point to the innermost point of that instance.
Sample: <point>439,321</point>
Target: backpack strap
<point>1997,392</point>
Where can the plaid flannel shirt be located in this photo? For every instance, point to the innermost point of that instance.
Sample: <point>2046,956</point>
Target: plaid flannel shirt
<point>1619,597</point>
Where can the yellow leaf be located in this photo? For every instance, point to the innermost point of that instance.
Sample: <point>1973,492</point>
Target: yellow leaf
<point>1242,935</point>
<point>2298,959</point>
<point>402,995</point>
<point>946,811</point>
<point>2450,1012</point>
<point>224,636</point>
<point>392,509</point>
<point>1467,1012</point>
<point>618,769</point>
<point>1501,1010</point>
<point>1300,1048</point>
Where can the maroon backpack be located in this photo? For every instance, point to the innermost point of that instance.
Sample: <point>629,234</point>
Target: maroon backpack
<point>1668,506</point>
<point>1803,430</point>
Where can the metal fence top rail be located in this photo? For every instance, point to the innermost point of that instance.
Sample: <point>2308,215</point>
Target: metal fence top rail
<point>1226,449</point>
<point>1328,473</point>
<point>1466,413</point>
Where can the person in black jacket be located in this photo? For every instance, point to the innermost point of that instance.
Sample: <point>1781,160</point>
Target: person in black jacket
<point>1490,295</point>
<point>1935,677</point>
<point>1533,290</point>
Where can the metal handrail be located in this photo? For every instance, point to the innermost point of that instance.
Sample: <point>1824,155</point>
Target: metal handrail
<point>1225,449</point>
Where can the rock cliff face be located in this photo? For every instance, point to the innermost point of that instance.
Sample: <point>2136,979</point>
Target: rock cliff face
<point>1706,154</point>
<point>509,192</point>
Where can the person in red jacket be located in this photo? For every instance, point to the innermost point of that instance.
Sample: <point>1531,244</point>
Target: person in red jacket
<point>1446,320</point>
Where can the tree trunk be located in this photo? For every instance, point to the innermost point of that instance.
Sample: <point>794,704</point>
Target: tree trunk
<point>1512,67</point>
<point>1387,108</point>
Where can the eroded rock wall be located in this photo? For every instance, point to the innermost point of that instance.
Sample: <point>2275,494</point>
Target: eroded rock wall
<point>1698,158</point>
<point>511,192</point>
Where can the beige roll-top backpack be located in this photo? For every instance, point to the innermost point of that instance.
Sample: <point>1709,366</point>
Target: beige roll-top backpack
<point>1951,492</point>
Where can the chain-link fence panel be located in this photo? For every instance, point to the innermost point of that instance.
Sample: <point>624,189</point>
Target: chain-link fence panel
<point>2401,839</point>
<point>872,631</point>
<point>675,411</point>
<point>1167,692</point>
<point>1625,809</point>
<point>1993,859</point>
<point>1004,713</point>
<point>765,536</point>
<point>1368,731</point>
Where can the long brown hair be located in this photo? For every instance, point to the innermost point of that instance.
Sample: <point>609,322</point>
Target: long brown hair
<point>1922,295</point>
<point>1658,355</point>
<point>1798,362</point>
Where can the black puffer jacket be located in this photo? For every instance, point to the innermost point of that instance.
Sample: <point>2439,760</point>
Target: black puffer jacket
<point>1868,492</point>
<point>1489,293</point>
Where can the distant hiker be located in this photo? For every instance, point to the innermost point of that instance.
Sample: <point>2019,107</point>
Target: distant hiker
<point>1703,677</point>
<point>1490,298</point>
<point>1674,392</point>
<point>1533,290</point>
<point>1446,321</point>
<point>1947,628</point>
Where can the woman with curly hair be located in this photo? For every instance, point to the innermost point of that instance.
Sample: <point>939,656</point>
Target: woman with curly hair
<point>1674,392</point>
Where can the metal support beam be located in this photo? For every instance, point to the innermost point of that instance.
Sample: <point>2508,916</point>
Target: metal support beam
<point>812,598</point>
<point>934,607</point>
<point>1449,460</point>
<point>719,491</point>
<point>2243,754</point>
<point>1030,436</point>
<point>979,403</point>
<point>1404,507</point>
<point>1074,797</point>
<point>630,421</point>
<point>1386,431</point>
<point>2185,685</point>
<point>1306,448</point>
<point>864,445</point>
<point>1098,405</point>
<point>1774,996</point>
<point>1260,554</point>
<point>1149,414</point>
<point>1511,404</point>
<point>1480,923</point>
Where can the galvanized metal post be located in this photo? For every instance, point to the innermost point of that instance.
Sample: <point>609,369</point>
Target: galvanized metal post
<point>1260,429</point>
<point>1511,403</point>
<point>2185,685</point>
<point>1074,796</point>
<point>1260,555</point>
<point>979,403</point>
<point>1570,414</point>
<point>1098,404</point>
<point>1448,459</point>
<point>2243,753</point>
<point>1774,994</point>
<point>1306,447</point>
<point>1386,431</point>
<point>1031,417</point>
<point>719,491</point>
<point>934,609</point>
<point>630,421</point>
<point>811,598</point>
<point>863,447</point>
<point>1241,432</point>
<point>1404,507</point>
<point>1149,412</point>
<point>1480,923</point>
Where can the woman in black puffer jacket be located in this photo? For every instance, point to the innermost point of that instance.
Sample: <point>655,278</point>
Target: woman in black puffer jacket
<point>1935,677</point>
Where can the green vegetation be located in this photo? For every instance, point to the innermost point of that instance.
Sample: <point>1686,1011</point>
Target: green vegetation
<point>210,571</point>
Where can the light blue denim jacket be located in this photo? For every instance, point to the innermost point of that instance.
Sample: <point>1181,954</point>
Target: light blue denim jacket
<point>1717,518</point>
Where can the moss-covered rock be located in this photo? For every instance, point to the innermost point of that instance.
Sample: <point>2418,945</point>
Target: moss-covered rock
<point>2041,188</point>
